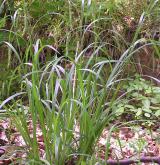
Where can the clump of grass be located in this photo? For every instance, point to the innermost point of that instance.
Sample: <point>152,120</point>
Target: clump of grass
<point>61,99</point>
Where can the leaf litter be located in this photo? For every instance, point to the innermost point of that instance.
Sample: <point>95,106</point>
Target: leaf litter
<point>124,142</point>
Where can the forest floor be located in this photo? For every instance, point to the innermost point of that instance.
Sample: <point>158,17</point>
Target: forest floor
<point>125,142</point>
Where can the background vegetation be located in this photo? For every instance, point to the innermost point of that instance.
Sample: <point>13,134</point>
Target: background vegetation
<point>73,68</point>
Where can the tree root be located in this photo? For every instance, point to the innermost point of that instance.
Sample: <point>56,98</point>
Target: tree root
<point>143,159</point>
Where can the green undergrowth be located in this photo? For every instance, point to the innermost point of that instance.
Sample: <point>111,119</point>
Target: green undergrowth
<point>70,68</point>
<point>69,25</point>
<point>140,100</point>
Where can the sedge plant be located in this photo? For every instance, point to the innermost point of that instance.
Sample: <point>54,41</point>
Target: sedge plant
<point>68,96</point>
